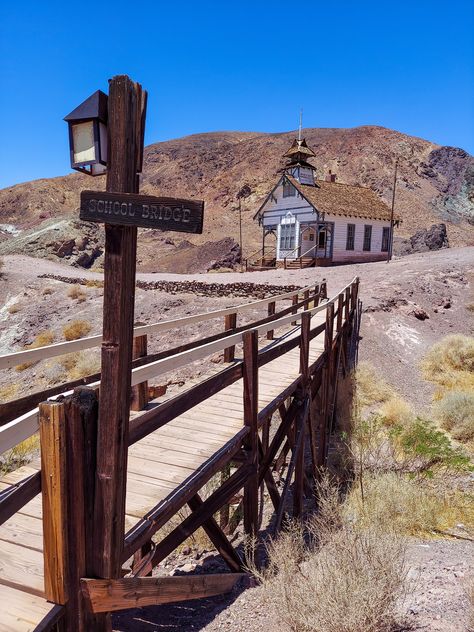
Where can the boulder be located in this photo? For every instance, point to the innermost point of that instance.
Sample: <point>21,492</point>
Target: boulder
<point>423,240</point>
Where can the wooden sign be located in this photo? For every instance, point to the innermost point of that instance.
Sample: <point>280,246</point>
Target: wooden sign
<point>146,211</point>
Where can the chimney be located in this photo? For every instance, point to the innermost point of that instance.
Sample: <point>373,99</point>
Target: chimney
<point>331,177</point>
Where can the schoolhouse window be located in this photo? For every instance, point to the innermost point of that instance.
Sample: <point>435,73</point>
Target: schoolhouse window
<point>288,236</point>
<point>385,238</point>
<point>288,190</point>
<point>367,237</point>
<point>351,229</point>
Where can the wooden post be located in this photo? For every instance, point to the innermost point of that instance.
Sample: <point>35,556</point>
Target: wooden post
<point>271,312</point>
<point>294,301</point>
<point>54,497</point>
<point>317,294</point>
<point>304,345</point>
<point>340,304</point>
<point>230,323</point>
<point>140,396</point>
<point>306,299</point>
<point>347,304</point>
<point>327,381</point>
<point>126,116</point>
<point>250,380</point>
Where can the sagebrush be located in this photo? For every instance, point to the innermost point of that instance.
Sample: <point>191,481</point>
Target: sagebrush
<point>76,329</point>
<point>455,413</point>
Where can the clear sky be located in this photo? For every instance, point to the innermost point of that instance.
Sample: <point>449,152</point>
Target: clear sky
<point>241,65</point>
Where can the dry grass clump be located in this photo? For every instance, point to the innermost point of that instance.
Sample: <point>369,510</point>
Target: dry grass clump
<point>371,388</point>
<point>9,391</point>
<point>15,308</point>
<point>76,329</point>
<point>95,283</point>
<point>450,363</point>
<point>80,364</point>
<point>47,290</point>
<point>77,293</point>
<point>394,502</point>
<point>341,580</point>
<point>396,411</point>
<point>455,413</point>
<point>20,454</point>
<point>43,339</point>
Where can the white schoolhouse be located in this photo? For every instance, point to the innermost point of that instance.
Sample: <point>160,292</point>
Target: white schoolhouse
<point>321,222</point>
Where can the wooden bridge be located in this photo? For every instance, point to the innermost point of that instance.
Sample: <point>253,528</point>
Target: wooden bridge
<point>223,428</point>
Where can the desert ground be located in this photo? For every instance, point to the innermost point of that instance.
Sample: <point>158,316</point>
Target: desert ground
<point>408,305</point>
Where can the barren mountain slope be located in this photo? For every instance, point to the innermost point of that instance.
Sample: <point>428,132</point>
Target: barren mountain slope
<point>435,183</point>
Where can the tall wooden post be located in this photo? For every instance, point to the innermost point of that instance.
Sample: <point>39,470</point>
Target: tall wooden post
<point>126,118</point>
<point>230,323</point>
<point>340,304</point>
<point>250,379</point>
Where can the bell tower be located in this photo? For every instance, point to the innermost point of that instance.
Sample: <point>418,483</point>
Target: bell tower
<point>297,164</point>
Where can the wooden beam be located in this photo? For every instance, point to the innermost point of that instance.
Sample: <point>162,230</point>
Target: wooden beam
<point>271,312</point>
<point>126,105</point>
<point>199,516</point>
<point>17,495</point>
<point>217,537</point>
<point>250,389</point>
<point>140,391</point>
<point>54,500</point>
<point>104,595</point>
<point>230,324</point>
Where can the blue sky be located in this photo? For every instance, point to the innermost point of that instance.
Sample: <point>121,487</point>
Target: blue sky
<point>235,66</point>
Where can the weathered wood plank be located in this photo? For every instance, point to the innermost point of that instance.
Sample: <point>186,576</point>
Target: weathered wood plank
<point>137,592</point>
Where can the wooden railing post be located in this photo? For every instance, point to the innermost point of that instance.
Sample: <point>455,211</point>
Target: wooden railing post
<point>294,301</point>
<point>324,289</point>
<point>317,295</point>
<point>68,434</point>
<point>325,399</point>
<point>250,383</point>
<point>304,345</point>
<point>140,396</point>
<point>230,323</point>
<point>271,312</point>
<point>347,304</point>
<point>54,497</point>
<point>340,304</point>
<point>306,299</point>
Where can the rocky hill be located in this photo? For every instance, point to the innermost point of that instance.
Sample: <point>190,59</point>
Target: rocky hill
<point>436,184</point>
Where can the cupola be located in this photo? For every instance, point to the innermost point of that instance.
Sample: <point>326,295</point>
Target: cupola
<point>297,164</point>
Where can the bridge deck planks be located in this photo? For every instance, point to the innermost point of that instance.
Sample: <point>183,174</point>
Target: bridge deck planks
<point>158,464</point>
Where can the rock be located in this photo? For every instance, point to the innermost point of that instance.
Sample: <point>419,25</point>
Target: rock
<point>186,550</point>
<point>433,238</point>
<point>64,248</point>
<point>420,313</point>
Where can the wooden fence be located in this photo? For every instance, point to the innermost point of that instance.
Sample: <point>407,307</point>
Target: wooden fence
<point>71,465</point>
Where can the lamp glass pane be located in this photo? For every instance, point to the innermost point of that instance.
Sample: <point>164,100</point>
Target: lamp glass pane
<point>83,142</point>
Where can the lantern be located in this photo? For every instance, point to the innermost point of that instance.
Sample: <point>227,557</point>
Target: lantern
<point>88,135</point>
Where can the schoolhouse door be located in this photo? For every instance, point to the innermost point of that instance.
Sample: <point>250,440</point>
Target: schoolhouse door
<point>308,241</point>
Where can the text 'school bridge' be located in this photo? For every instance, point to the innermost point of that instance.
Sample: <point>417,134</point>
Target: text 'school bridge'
<point>288,362</point>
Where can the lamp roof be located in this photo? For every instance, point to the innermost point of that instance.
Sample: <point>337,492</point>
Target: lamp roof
<point>94,106</point>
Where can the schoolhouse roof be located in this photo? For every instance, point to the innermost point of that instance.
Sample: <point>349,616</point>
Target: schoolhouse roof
<point>336,198</point>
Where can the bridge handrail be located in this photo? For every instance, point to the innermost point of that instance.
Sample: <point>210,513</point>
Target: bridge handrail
<point>10,360</point>
<point>23,427</point>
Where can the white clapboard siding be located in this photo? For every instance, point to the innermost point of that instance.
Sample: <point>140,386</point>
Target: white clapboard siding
<point>340,238</point>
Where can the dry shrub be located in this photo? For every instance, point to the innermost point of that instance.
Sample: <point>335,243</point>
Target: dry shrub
<point>395,502</point>
<point>343,580</point>
<point>455,413</point>
<point>80,364</point>
<point>20,454</point>
<point>450,363</point>
<point>9,391</point>
<point>396,411</point>
<point>76,329</point>
<point>371,388</point>
<point>15,308</point>
<point>77,293</point>
<point>43,339</point>
<point>47,290</point>
<point>95,283</point>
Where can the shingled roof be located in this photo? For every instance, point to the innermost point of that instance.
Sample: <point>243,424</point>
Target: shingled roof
<point>347,200</point>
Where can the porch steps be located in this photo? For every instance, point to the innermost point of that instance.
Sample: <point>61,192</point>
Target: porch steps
<point>301,262</point>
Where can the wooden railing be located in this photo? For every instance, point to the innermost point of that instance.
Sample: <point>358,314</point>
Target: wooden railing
<point>68,431</point>
<point>299,258</point>
<point>251,261</point>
